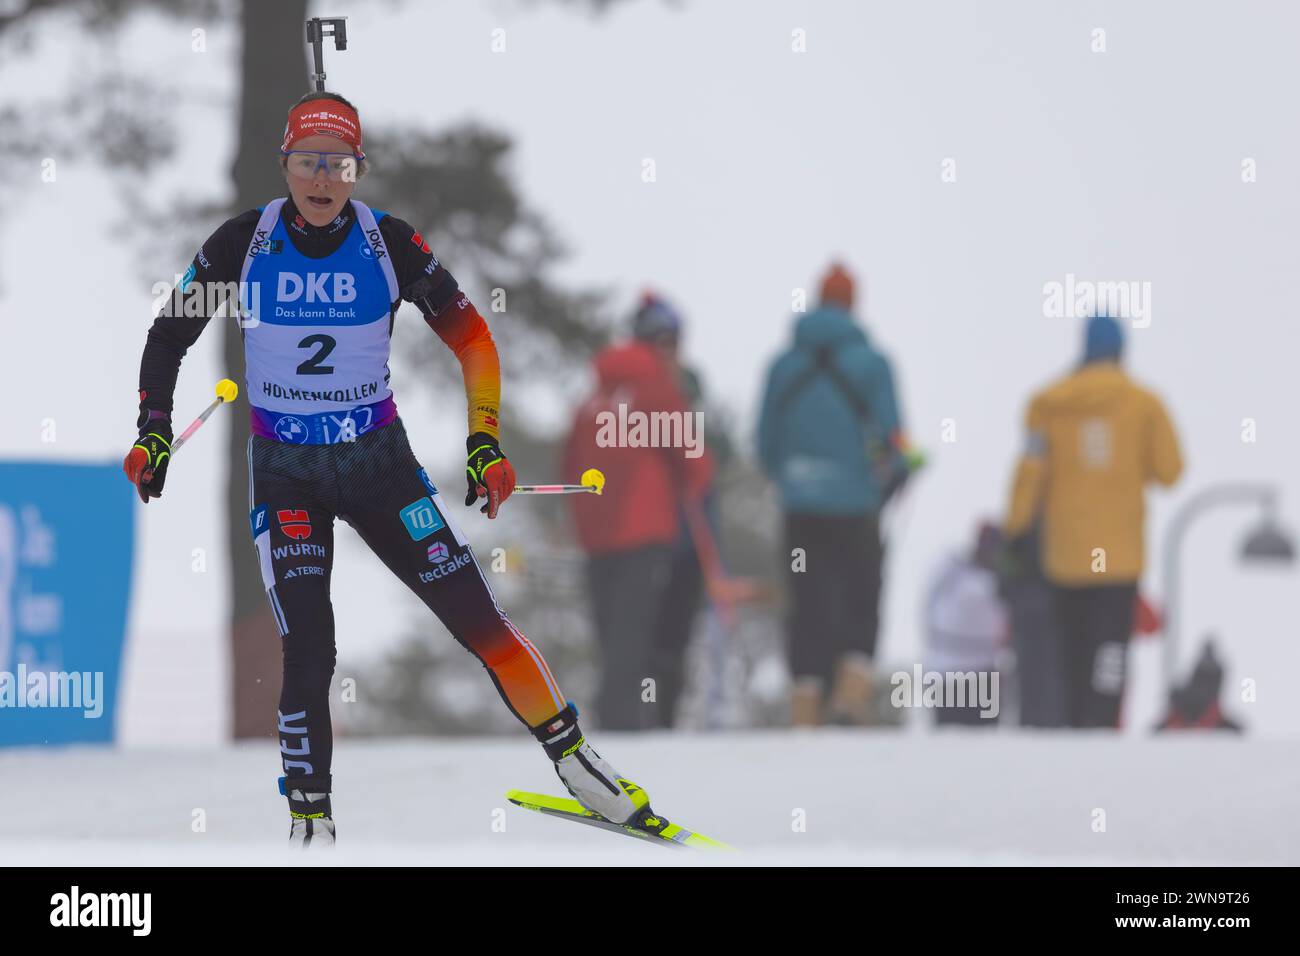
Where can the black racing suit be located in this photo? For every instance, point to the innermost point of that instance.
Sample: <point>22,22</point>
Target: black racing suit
<point>372,481</point>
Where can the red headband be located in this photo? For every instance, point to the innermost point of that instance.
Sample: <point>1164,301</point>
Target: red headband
<point>324,116</point>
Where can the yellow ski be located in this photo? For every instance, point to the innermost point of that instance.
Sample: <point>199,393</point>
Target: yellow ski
<point>654,828</point>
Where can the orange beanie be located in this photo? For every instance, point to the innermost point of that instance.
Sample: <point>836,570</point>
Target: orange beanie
<point>837,287</point>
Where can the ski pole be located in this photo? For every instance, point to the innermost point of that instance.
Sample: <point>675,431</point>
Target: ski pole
<point>591,482</point>
<point>706,549</point>
<point>726,593</point>
<point>226,392</point>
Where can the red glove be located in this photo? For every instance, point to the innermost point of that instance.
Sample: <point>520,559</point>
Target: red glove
<point>488,473</point>
<point>146,463</point>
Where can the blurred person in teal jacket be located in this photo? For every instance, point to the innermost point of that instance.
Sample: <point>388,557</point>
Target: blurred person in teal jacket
<point>830,436</point>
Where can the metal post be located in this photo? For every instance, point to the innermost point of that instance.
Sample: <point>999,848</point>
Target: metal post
<point>1195,506</point>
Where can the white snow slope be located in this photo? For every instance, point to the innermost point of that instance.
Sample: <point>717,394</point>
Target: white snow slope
<point>865,797</point>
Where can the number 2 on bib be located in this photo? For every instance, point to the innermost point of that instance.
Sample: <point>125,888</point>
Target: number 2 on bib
<point>312,365</point>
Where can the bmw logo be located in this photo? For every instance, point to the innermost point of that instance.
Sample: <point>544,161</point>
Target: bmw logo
<point>291,429</point>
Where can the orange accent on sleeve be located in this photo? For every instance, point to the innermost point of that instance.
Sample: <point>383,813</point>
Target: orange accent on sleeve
<point>463,331</point>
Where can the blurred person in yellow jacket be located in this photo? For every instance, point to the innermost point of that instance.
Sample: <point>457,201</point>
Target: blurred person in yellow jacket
<point>1094,440</point>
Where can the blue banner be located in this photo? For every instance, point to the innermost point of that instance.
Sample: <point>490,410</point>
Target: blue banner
<point>66,534</point>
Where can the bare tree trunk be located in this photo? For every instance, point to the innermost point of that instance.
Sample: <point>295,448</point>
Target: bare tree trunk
<point>274,73</point>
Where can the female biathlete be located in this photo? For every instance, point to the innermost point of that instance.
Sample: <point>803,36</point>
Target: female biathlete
<point>320,277</point>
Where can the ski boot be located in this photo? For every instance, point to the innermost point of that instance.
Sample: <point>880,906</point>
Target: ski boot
<point>311,822</point>
<point>806,702</point>
<point>853,696</point>
<point>590,779</point>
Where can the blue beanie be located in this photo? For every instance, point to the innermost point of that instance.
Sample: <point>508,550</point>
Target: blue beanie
<point>655,320</point>
<point>1103,340</point>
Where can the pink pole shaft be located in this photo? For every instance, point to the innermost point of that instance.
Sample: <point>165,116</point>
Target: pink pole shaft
<point>194,426</point>
<point>552,489</point>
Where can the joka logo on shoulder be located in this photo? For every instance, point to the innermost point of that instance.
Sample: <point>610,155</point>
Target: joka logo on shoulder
<point>421,519</point>
<point>295,523</point>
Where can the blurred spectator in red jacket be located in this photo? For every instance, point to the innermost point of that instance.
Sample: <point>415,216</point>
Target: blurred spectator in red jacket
<point>639,429</point>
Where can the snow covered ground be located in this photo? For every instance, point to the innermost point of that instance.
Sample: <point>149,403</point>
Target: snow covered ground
<point>868,797</point>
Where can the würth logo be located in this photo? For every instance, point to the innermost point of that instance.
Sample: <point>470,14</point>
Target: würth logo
<point>295,523</point>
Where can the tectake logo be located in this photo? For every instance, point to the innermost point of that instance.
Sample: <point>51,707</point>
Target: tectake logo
<point>421,519</point>
<point>438,552</point>
<point>447,567</point>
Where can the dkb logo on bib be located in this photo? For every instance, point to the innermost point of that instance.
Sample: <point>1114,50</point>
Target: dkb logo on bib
<point>291,287</point>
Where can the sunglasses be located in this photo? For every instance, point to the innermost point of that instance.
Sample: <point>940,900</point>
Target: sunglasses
<point>303,164</point>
